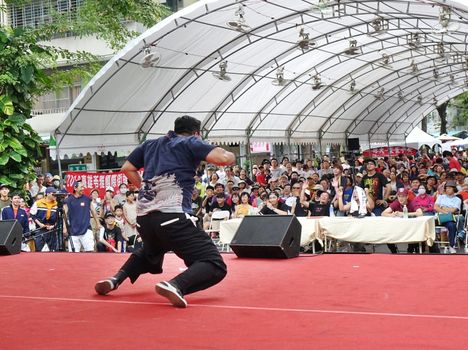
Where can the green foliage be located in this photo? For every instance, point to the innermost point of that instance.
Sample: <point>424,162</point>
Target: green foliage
<point>29,69</point>
<point>461,104</point>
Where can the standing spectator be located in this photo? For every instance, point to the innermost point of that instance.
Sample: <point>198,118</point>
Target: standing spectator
<point>44,215</point>
<point>130,217</point>
<point>108,203</point>
<point>325,169</point>
<point>378,186</point>
<point>320,208</point>
<point>294,202</point>
<point>38,186</point>
<point>49,180</point>
<point>14,212</point>
<point>5,200</point>
<point>275,169</point>
<point>453,162</point>
<point>56,182</point>
<point>120,197</point>
<point>78,209</point>
<point>96,204</point>
<point>197,205</point>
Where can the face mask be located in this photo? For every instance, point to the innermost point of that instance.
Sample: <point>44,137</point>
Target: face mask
<point>421,191</point>
<point>123,190</point>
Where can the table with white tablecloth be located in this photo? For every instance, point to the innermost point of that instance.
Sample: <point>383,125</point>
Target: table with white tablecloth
<point>378,229</point>
<point>228,228</point>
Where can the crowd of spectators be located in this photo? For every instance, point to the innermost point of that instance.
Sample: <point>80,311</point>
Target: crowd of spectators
<point>387,186</point>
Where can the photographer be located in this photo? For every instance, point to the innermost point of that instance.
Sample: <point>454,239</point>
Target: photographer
<point>44,214</point>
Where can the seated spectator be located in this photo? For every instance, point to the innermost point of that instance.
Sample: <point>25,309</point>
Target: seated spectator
<point>220,203</point>
<point>120,197</point>
<point>449,203</point>
<point>320,208</point>
<point>360,203</point>
<point>294,202</point>
<point>244,208</point>
<point>273,206</point>
<point>197,204</point>
<point>424,201</point>
<point>110,238</point>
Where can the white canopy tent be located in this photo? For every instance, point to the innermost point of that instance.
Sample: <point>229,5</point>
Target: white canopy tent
<point>285,71</point>
<point>418,138</point>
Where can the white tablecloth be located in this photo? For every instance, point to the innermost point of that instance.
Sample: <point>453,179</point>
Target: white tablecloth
<point>228,229</point>
<point>378,229</point>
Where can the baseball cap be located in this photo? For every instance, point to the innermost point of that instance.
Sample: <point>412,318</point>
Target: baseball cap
<point>48,174</point>
<point>50,190</point>
<point>56,177</point>
<point>402,192</point>
<point>318,188</point>
<point>109,214</point>
<point>109,189</point>
<point>358,175</point>
<point>3,185</point>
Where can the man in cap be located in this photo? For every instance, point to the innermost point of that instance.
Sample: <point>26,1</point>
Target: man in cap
<point>5,200</point>
<point>164,207</point>
<point>110,236</point>
<point>44,214</point>
<point>449,203</point>
<point>395,209</point>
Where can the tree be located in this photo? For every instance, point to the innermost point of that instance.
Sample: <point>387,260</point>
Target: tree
<point>29,68</point>
<point>460,103</point>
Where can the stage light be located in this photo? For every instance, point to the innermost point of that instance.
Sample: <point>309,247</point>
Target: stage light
<point>419,99</point>
<point>279,81</point>
<point>352,48</point>
<point>222,75</point>
<point>414,40</point>
<point>239,22</point>
<point>352,86</point>
<point>414,67</point>
<point>304,43</point>
<point>317,82</point>
<point>380,94</point>
<point>150,59</point>
<point>435,73</point>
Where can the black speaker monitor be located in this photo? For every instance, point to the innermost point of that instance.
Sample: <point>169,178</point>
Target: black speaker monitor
<point>267,236</point>
<point>353,144</point>
<point>10,237</point>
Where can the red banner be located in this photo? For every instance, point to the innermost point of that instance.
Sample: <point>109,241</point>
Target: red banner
<point>392,151</point>
<point>99,181</point>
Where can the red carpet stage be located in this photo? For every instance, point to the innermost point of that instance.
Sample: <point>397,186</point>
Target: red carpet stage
<point>370,301</point>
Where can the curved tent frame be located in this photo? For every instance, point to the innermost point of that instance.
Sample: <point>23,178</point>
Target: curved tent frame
<point>286,71</point>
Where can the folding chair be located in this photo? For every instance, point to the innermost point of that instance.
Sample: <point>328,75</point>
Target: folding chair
<point>216,218</point>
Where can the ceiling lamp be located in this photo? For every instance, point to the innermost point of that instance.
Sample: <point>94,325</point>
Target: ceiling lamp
<point>221,75</point>
<point>452,79</point>
<point>414,40</point>
<point>434,101</point>
<point>317,82</point>
<point>279,81</point>
<point>379,25</point>
<point>352,86</point>
<point>150,59</point>
<point>419,99</point>
<point>445,24</point>
<point>400,96</point>
<point>352,48</point>
<point>304,43</point>
<point>435,73</point>
<point>385,61</point>
<point>414,67</point>
<point>239,22</point>
<point>380,94</point>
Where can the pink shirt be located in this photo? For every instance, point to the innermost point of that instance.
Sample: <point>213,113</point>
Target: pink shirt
<point>425,202</point>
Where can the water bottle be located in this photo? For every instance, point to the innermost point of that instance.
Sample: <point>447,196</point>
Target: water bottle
<point>405,212</point>
<point>332,211</point>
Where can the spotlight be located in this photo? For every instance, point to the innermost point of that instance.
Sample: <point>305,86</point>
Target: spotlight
<point>400,96</point>
<point>414,41</point>
<point>239,22</point>
<point>419,99</point>
<point>304,43</point>
<point>379,25</point>
<point>352,48</point>
<point>414,67</point>
<point>150,59</point>
<point>445,24</point>
<point>435,73</point>
<point>317,82</point>
<point>352,86</point>
<point>279,81</point>
<point>380,94</point>
<point>222,72</point>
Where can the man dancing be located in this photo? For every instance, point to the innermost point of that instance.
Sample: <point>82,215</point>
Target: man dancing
<point>164,207</point>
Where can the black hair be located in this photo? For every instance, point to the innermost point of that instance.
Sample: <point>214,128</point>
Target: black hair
<point>187,124</point>
<point>118,206</point>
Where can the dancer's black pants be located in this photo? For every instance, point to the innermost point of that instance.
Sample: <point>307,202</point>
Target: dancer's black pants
<point>163,232</point>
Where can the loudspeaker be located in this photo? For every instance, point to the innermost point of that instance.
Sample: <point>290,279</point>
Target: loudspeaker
<point>267,236</point>
<point>10,237</point>
<point>353,144</point>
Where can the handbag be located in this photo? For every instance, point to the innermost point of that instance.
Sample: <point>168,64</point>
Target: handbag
<point>443,218</point>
